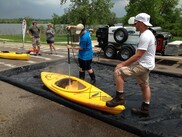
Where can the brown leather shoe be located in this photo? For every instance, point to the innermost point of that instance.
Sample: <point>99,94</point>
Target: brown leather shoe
<point>117,100</point>
<point>143,111</point>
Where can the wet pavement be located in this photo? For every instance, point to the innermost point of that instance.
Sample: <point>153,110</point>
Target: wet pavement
<point>24,113</point>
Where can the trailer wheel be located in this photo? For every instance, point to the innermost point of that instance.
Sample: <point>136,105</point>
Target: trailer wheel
<point>125,53</point>
<point>132,49</point>
<point>120,35</point>
<point>110,52</point>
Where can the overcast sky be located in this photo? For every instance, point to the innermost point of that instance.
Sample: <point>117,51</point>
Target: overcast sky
<point>44,9</point>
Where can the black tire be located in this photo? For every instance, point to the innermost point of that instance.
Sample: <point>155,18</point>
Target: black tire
<point>133,49</point>
<point>125,53</point>
<point>120,35</point>
<point>110,52</point>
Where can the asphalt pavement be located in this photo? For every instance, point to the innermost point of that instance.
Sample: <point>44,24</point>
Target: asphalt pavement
<point>23,114</point>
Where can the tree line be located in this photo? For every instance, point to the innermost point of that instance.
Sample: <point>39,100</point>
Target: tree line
<point>164,13</point>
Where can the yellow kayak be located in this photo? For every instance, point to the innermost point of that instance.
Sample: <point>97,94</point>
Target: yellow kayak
<point>79,91</point>
<point>14,55</point>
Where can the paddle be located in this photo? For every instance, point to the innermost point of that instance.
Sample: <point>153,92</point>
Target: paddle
<point>68,36</point>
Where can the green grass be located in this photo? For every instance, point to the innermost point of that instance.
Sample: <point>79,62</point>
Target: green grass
<point>18,38</point>
<point>58,38</point>
<point>177,38</point>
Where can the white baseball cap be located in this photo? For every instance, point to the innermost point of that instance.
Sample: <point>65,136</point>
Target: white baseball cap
<point>79,28</point>
<point>143,17</point>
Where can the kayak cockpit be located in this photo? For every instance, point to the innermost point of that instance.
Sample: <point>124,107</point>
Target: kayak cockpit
<point>71,85</point>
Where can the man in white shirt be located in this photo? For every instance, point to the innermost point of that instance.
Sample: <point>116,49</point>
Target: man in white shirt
<point>139,66</point>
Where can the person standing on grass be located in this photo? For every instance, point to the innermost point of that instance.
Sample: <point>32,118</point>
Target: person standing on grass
<point>34,33</point>
<point>85,53</point>
<point>50,37</point>
<point>139,66</point>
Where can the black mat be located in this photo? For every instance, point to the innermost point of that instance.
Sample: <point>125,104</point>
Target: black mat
<point>166,105</point>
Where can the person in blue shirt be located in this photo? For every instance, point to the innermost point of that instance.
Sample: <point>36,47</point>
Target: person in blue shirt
<point>85,53</point>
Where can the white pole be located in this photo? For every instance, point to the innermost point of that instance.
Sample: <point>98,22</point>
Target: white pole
<point>24,26</point>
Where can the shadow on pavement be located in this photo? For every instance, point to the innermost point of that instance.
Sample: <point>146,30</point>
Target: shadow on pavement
<point>166,62</point>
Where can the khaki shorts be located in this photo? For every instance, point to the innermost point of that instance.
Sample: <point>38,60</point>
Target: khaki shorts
<point>35,42</point>
<point>141,73</point>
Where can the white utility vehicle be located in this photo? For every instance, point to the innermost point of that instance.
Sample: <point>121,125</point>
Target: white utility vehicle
<point>121,41</point>
<point>118,41</point>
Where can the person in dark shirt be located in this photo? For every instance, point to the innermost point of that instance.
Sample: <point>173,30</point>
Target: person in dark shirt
<point>34,33</point>
<point>50,37</point>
